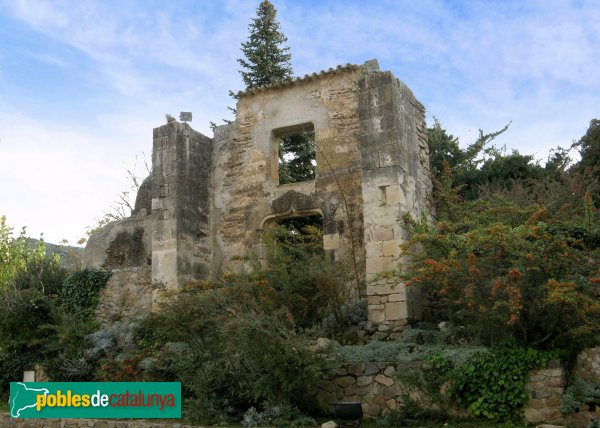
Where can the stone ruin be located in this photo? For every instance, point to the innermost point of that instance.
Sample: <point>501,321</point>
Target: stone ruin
<point>207,199</point>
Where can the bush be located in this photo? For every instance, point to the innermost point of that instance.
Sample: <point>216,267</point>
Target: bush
<point>29,286</point>
<point>413,345</point>
<point>411,414</point>
<point>487,384</point>
<point>233,348</point>
<point>510,272</point>
<point>580,392</point>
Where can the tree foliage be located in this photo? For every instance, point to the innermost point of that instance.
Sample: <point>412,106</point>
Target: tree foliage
<point>42,321</point>
<point>507,270</point>
<point>266,58</point>
<point>589,147</point>
<point>297,154</point>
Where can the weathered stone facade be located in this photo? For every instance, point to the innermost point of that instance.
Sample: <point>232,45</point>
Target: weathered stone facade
<point>207,199</point>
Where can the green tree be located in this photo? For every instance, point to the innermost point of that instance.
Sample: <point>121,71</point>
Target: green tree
<point>267,59</point>
<point>589,146</point>
<point>29,286</point>
<point>297,154</point>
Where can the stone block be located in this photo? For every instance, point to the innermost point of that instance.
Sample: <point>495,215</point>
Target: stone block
<point>391,404</point>
<point>395,311</point>
<point>361,392</point>
<point>379,400</point>
<point>392,247</point>
<point>373,249</point>
<point>537,403</point>
<point>397,297</point>
<point>355,369</point>
<point>345,381</point>
<point>395,195</point>
<point>364,380</point>
<point>374,409</point>
<point>383,234</point>
<point>341,372</point>
<point>374,264</point>
<point>389,392</point>
<point>384,380</point>
<point>371,369</point>
<point>373,300</point>
<point>376,313</point>
<point>389,371</point>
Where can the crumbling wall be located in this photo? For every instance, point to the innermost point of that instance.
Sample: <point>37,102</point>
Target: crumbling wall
<point>181,199</point>
<point>248,196</point>
<point>203,208</point>
<point>396,183</point>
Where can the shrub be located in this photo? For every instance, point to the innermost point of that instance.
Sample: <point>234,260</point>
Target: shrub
<point>505,271</point>
<point>232,347</point>
<point>29,286</point>
<point>412,414</point>
<point>578,393</point>
<point>413,345</point>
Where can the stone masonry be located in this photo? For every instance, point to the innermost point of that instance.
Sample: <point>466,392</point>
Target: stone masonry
<point>207,200</point>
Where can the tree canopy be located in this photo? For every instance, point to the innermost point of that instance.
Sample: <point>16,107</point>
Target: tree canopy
<point>266,57</point>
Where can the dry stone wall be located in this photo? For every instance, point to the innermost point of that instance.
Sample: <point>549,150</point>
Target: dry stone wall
<point>371,384</point>
<point>544,388</point>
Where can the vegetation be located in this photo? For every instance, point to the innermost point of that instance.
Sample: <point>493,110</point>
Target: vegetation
<point>515,262</point>
<point>297,154</point>
<point>580,393</point>
<point>511,261</point>
<point>511,264</point>
<point>266,58</point>
<point>38,323</point>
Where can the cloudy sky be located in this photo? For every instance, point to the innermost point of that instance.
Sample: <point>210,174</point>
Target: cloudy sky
<point>82,83</point>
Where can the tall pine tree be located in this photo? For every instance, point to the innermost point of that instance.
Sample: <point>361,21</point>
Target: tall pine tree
<point>267,59</point>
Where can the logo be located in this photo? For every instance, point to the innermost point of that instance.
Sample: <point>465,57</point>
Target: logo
<point>95,400</point>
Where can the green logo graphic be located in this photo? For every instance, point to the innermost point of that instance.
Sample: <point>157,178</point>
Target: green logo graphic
<point>95,399</point>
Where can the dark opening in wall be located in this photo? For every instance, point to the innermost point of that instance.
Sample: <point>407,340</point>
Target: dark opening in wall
<point>301,234</point>
<point>297,152</point>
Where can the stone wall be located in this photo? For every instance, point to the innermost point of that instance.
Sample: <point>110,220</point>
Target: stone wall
<point>372,170</point>
<point>544,388</point>
<point>181,200</point>
<point>588,364</point>
<point>247,195</point>
<point>127,295</point>
<point>380,393</point>
<point>207,200</point>
<point>371,384</point>
<point>396,182</point>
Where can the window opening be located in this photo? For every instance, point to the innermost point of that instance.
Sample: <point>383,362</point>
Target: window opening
<point>297,153</point>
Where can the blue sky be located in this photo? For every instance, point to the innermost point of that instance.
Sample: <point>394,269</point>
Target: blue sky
<point>82,83</point>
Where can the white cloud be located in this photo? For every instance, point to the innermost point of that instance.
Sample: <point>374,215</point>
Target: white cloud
<point>473,64</point>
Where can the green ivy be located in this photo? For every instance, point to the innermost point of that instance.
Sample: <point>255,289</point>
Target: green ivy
<point>492,384</point>
<point>81,290</point>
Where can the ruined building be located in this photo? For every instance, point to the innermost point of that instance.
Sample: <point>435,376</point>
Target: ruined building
<point>207,199</point>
